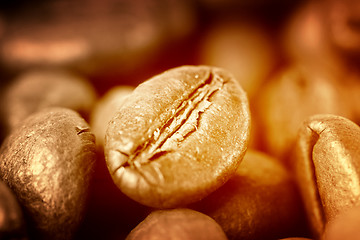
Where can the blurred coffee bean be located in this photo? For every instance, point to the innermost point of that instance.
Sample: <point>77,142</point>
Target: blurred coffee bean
<point>260,202</point>
<point>242,47</point>
<point>34,90</point>
<point>12,222</point>
<point>290,97</point>
<point>177,224</point>
<point>326,162</point>
<point>324,35</point>
<point>305,42</point>
<point>104,110</point>
<point>342,24</point>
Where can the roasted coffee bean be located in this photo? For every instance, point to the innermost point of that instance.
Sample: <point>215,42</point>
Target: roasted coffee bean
<point>179,136</point>
<point>327,157</point>
<point>47,161</point>
<point>34,90</point>
<point>260,201</point>
<point>290,97</point>
<point>178,224</point>
<point>12,223</point>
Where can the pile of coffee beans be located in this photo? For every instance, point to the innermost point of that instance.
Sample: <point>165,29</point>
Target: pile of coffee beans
<point>173,119</point>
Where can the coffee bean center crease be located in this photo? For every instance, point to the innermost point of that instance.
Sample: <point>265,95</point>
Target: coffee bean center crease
<point>184,120</point>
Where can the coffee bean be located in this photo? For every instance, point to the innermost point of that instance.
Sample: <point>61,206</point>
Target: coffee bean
<point>302,88</point>
<point>179,136</point>
<point>47,162</point>
<point>176,224</point>
<point>327,157</point>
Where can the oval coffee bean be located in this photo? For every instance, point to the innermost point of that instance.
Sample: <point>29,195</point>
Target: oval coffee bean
<point>177,224</point>
<point>309,92</point>
<point>12,223</point>
<point>47,162</point>
<point>327,157</point>
<point>259,202</point>
<point>179,136</point>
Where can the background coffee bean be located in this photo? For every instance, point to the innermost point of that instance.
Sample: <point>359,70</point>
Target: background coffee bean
<point>34,90</point>
<point>12,224</point>
<point>179,136</point>
<point>47,161</point>
<point>178,224</point>
<point>104,110</point>
<point>243,48</point>
<point>287,99</point>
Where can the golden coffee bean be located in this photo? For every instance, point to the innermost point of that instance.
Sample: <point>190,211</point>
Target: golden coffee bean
<point>47,161</point>
<point>259,202</point>
<point>327,157</point>
<point>177,224</point>
<point>179,136</point>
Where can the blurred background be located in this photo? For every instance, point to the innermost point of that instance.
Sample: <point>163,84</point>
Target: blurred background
<point>115,42</point>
